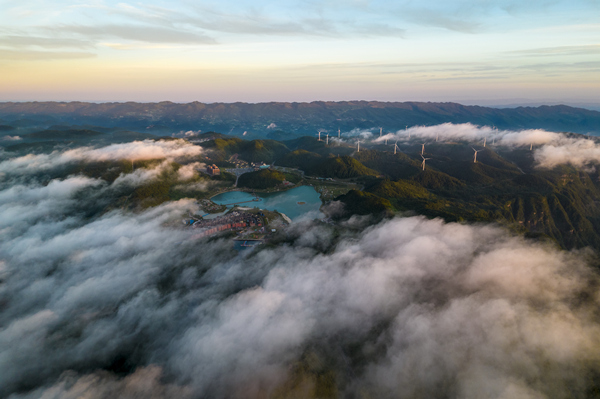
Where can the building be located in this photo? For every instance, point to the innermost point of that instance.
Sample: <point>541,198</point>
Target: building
<point>213,170</point>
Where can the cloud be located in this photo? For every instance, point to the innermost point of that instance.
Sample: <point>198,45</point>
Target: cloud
<point>12,138</point>
<point>559,50</point>
<point>126,304</point>
<point>468,132</point>
<point>34,55</point>
<point>189,171</point>
<point>153,24</point>
<point>18,41</point>
<point>28,203</point>
<point>443,132</point>
<point>189,134</point>
<point>138,33</point>
<point>365,134</point>
<point>141,175</point>
<point>529,137</point>
<point>443,19</point>
<point>196,186</point>
<point>580,153</point>
<point>550,149</point>
<point>144,382</point>
<point>136,150</point>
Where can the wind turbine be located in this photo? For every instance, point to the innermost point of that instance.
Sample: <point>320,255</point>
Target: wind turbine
<point>358,143</point>
<point>339,133</point>
<point>319,136</point>
<point>423,163</point>
<point>484,141</point>
<point>380,131</point>
<point>386,141</point>
<point>475,156</point>
<point>327,142</point>
<point>531,146</point>
<point>395,147</point>
<point>422,148</point>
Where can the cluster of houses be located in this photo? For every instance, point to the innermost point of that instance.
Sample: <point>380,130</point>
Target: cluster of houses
<point>232,221</point>
<point>239,163</point>
<point>222,227</point>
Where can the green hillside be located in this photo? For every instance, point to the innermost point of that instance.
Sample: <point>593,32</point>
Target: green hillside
<point>261,179</point>
<point>340,167</point>
<point>300,159</point>
<point>399,189</point>
<point>267,151</point>
<point>434,180</point>
<point>363,203</point>
<point>394,166</point>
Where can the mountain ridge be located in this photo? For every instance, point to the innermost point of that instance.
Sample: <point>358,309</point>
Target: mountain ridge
<point>300,118</point>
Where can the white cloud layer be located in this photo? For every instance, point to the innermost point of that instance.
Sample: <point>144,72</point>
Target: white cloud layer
<point>429,308</point>
<point>550,149</point>
<point>136,150</point>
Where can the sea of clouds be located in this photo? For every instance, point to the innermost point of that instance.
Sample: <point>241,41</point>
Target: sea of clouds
<point>133,151</point>
<point>126,305</point>
<point>549,148</point>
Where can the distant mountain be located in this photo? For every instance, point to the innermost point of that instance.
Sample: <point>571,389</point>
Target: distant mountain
<point>283,120</point>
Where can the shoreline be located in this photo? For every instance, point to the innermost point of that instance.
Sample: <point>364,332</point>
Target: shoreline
<point>263,191</point>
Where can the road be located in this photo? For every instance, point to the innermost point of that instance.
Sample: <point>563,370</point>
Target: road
<point>238,172</point>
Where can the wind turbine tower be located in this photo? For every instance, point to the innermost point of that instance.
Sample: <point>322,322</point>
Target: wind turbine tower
<point>395,147</point>
<point>358,144</point>
<point>422,148</point>
<point>475,156</point>
<point>380,131</point>
<point>423,163</point>
<point>319,136</point>
<point>484,141</point>
<point>531,146</point>
<point>339,133</point>
<point>327,137</point>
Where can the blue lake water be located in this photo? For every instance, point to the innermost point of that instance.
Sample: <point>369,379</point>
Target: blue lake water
<point>284,202</point>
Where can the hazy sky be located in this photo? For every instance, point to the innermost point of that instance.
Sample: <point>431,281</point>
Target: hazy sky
<point>453,50</point>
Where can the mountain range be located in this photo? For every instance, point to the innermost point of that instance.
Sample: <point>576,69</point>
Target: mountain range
<point>281,121</point>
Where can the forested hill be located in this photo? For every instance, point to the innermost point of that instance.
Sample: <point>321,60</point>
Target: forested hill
<point>276,119</point>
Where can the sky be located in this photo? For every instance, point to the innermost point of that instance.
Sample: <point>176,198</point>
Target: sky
<point>482,51</point>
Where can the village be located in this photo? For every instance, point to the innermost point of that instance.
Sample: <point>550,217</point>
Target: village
<point>243,223</point>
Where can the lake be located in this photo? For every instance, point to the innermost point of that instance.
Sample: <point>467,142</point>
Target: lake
<point>286,202</point>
